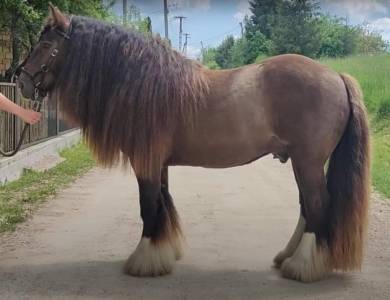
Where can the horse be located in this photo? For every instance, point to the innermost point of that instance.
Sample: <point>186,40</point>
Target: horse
<point>140,102</point>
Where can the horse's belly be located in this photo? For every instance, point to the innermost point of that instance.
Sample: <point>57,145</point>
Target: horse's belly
<point>223,149</point>
<point>220,159</point>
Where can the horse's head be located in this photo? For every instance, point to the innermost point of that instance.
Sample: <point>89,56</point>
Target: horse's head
<point>41,67</point>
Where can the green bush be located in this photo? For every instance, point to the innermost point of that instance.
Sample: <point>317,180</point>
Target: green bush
<point>212,65</point>
<point>260,58</point>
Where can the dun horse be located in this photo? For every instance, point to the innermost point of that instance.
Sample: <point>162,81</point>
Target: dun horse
<point>138,100</point>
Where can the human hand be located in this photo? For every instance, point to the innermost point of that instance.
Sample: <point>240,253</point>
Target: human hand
<point>30,116</point>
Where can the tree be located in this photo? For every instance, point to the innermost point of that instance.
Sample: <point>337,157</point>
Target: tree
<point>246,50</point>
<point>223,53</point>
<point>263,16</point>
<point>256,44</point>
<point>23,20</point>
<point>336,38</point>
<point>289,26</point>
<point>133,20</point>
<point>208,58</point>
<point>295,28</point>
<point>339,39</point>
<point>369,41</point>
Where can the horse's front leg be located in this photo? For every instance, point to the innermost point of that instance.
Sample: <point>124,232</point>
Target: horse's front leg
<point>160,243</point>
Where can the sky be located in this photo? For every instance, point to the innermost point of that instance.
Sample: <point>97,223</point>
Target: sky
<point>210,21</point>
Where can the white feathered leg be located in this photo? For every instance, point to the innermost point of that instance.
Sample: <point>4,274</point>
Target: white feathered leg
<point>310,262</point>
<point>152,259</point>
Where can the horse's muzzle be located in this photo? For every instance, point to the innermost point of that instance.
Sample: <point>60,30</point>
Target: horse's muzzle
<point>26,86</point>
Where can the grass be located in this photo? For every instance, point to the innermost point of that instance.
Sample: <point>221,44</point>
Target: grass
<point>381,161</point>
<point>19,198</point>
<point>372,72</point>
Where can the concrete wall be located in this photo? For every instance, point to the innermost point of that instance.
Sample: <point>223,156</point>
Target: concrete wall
<point>41,156</point>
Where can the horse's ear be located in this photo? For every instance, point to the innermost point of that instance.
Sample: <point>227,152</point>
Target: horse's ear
<point>58,18</point>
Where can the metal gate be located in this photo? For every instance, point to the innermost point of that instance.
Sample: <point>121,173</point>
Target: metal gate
<point>10,126</point>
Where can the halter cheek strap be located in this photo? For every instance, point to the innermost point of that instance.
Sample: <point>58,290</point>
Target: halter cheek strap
<point>39,93</point>
<point>45,68</point>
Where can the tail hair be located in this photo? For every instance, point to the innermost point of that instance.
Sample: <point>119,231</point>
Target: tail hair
<point>348,183</point>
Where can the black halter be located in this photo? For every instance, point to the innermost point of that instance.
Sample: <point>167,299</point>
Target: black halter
<point>39,92</point>
<point>38,77</point>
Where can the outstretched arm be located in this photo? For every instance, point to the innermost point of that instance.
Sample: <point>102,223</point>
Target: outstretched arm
<point>27,115</point>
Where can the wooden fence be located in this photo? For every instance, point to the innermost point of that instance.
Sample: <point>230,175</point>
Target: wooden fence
<point>10,126</point>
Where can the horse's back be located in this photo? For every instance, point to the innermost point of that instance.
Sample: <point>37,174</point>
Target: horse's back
<point>286,104</point>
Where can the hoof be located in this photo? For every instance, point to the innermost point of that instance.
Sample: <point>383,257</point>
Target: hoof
<point>177,247</point>
<point>279,258</point>
<point>150,259</point>
<point>309,262</point>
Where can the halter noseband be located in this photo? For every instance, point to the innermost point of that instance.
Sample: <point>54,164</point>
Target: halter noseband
<point>39,92</point>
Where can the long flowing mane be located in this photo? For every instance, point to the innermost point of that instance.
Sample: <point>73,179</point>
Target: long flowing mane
<point>127,91</point>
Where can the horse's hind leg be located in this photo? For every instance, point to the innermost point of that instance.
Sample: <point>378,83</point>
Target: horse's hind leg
<point>160,243</point>
<point>297,235</point>
<point>310,260</point>
<point>292,244</point>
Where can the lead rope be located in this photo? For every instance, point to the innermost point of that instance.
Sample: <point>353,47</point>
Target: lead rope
<point>37,107</point>
<point>38,97</point>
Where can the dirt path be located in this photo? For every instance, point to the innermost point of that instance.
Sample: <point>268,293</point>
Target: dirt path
<point>234,220</point>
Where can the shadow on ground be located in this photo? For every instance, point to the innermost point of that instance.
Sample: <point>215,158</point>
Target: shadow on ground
<point>97,279</point>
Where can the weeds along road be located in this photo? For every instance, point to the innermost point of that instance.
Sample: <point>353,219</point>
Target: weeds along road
<point>235,221</point>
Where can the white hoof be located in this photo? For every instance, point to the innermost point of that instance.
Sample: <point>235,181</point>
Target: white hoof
<point>150,259</point>
<point>309,262</point>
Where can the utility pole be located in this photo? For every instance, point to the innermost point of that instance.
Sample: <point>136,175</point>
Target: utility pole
<point>125,12</point>
<point>180,29</point>
<point>166,19</point>
<point>185,43</point>
<point>202,49</point>
<point>242,30</point>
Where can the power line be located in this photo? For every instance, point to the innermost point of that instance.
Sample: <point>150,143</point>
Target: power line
<point>181,18</point>
<point>217,36</point>
<point>167,19</point>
